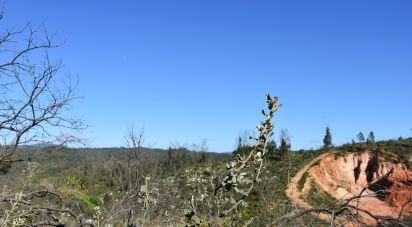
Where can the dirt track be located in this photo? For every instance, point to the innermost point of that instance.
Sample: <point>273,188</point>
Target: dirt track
<point>292,190</point>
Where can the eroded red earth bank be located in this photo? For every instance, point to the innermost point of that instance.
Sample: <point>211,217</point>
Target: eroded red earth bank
<point>389,182</point>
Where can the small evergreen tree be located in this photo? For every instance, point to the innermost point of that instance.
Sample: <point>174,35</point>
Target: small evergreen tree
<point>327,140</point>
<point>371,138</point>
<point>361,137</point>
<point>170,155</point>
<point>242,147</point>
<point>284,144</point>
<point>271,146</point>
<point>239,147</point>
<point>239,143</point>
<point>203,157</point>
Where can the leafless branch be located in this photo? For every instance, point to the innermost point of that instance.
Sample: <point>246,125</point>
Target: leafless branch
<point>33,96</point>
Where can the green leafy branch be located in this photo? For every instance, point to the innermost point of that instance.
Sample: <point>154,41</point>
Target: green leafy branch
<point>243,171</point>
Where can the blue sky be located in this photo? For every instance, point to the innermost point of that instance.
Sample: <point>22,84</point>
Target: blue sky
<point>194,70</point>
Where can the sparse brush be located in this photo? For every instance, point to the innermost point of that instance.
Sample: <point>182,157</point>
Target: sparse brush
<point>243,172</point>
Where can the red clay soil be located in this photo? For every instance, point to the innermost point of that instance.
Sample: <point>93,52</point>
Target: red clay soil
<point>390,183</point>
<point>293,191</point>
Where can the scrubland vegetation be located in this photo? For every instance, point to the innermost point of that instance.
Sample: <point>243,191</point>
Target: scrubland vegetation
<point>93,183</point>
<point>47,182</point>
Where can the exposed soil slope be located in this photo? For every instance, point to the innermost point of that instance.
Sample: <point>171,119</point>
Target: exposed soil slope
<point>389,182</point>
<point>346,176</point>
<point>293,191</point>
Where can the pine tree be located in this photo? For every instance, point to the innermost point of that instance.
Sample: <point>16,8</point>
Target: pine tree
<point>239,148</point>
<point>271,146</point>
<point>371,138</point>
<point>361,137</point>
<point>327,140</point>
<point>284,144</point>
<point>170,155</point>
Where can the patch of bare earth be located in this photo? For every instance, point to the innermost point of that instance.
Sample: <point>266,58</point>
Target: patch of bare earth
<point>388,184</point>
<point>293,191</point>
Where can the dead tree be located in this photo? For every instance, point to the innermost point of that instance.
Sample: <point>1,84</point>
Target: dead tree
<point>134,141</point>
<point>33,98</point>
<point>33,94</point>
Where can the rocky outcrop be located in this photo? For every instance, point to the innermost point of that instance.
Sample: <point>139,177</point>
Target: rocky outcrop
<point>389,183</point>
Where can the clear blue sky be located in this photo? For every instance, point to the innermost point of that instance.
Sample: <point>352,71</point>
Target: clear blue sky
<point>194,70</point>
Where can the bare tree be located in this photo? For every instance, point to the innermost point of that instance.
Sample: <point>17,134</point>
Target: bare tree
<point>33,95</point>
<point>136,203</point>
<point>33,99</point>
<point>134,141</point>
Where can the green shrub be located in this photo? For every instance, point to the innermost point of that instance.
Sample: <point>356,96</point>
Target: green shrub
<point>90,201</point>
<point>302,181</point>
<point>318,198</point>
